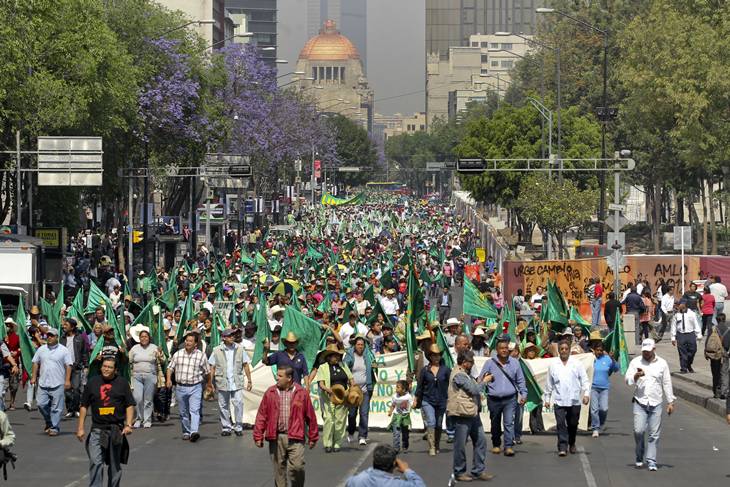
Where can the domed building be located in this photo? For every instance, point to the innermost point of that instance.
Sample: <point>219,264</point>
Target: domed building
<point>334,76</point>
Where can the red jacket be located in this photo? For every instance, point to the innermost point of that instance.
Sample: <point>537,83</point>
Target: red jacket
<point>302,412</point>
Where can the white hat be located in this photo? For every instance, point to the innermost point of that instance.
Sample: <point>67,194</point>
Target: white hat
<point>568,331</point>
<point>452,321</point>
<point>647,345</point>
<point>478,332</point>
<point>9,320</point>
<point>276,309</point>
<point>512,346</point>
<point>136,330</point>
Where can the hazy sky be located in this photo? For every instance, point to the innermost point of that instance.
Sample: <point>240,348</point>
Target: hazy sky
<point>396,43</point>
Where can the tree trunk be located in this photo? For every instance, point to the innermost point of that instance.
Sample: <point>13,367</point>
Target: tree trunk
<point>713,226</point>
<point>679,209</point>
<point>693,221</point>
<point>657,227</point>
<point>703,195</point>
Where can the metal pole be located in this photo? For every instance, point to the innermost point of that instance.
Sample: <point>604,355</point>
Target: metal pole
<point>681,236</point>
<point>193,210</point>
<point>542,99</point>
<point>560,127</point>
<point>207,216</point>
<point>616,216</point>
<point>602,175</point>
<point>130,233</point>
<point>312,179</point>
<point>145,213</point>
<point>18,218</point>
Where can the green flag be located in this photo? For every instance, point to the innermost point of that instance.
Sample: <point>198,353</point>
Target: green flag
<point>580,321</point>
<point>475,304</point>
<point>307,331</point>
<point>27,348</point>
<point>120,331</point>
<point>47,311</point>
<point>534,392</point>
<point>441,342</point>
<point>616,342</point>
<point>263,332</point>
<point>76,311</point>
<point>186,314</point>
<point>159,337</point>
<point>415,312</point>
<point>508,315</point>
<point>369,295</point>
<point>557,310</point>
<point>215,330</point>
<point>96,298</point>
<point>169,297</point>
<point>260,259</point>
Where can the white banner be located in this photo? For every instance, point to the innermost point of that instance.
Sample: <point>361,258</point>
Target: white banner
<point>392,367</point>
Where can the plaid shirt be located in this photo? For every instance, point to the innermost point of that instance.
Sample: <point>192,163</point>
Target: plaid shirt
<point>190,368</point>
<point>282,422</point>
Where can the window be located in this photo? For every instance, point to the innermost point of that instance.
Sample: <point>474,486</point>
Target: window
<point>485,58</point>
<point>507,63</point>
<point>485,44</point>
<point>474,44</point>
<point>495,64</point>
<point>314,73</point>
<point>495,45</point>
<point>507,46</point>
<point>328,73</point>
<point>423,127</point>
<point>321,74</point>
<point>342,74</point>
<point>484,71</point>
<point>262,15</point>
<point>336,73</point>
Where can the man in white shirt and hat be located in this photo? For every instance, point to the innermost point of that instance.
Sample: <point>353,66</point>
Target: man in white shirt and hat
<point>650,374</point>
<point>229,363</point>
<point>277,317</point>
<point>390,305</point>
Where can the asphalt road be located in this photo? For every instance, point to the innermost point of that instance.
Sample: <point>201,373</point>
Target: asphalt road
<point>694,448</point>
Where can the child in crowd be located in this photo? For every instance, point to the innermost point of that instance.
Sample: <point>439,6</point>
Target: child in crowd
<point>401,403</point>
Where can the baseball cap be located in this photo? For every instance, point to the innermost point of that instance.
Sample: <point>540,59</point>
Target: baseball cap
<point>647,345</point>
<point>52,331</point>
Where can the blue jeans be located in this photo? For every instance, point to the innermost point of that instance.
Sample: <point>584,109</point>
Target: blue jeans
<point>502,410</point>
<point>433,416</point>
<point>189,399</point>
<point>97,462</point>
<point>647,419</point>
<point>519,413</point>
<point>596,312</point>
<point>364,410</point>
<point>144,394</point>
<point>50,404</point>
<point>469,427</point>
<point>599,408</point>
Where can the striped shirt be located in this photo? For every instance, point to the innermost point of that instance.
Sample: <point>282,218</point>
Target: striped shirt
<point>189,368</point>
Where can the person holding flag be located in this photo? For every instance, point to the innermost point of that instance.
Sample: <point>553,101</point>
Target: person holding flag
<point>603,367</point>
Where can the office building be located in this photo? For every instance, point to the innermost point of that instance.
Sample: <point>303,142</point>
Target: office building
<point>261,19</point>
<point>202,10</point>
<point>450,23</point>
<point>336,79</point>
<point>460,70</point>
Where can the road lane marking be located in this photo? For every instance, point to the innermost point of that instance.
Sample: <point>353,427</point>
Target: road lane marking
<point>358,464</point>
<point>590,479</point>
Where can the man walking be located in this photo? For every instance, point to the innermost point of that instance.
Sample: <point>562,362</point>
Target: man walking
<point>76,346</point>
<point>54,362</point>
<point>686,331</point>
<point>228,364</point>
<point>190,368</point>
<point>110,400</point>
<point>634,306</point>
<point>650,374</point>
<point>444,304</point>
<point>505,388</point>
<point>283,417</point>
<point>464,404</point>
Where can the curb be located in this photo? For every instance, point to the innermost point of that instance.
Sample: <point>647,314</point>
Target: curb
<point>696,393</point>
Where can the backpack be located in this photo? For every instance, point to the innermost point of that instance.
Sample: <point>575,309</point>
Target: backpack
<point>713,346</point>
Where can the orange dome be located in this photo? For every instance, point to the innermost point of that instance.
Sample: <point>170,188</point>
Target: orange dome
<point>329,45</point>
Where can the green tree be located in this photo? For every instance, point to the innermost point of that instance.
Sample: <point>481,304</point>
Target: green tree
<point>555,206</point>
<point>353,148</point>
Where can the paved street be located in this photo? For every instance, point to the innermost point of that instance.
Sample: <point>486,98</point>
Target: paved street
<point>694,446</point>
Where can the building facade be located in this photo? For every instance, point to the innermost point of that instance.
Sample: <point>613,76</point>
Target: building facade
<point>460,70</point>
<point>350,17</point>
<point>450,23</point>
<point>202,10</point>
<point>337,81</point>
<point>260,19</point>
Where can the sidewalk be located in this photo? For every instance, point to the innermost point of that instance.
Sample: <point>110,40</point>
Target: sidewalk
<point>695,387</point>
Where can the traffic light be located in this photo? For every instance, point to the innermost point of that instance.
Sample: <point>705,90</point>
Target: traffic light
<point>471,165</point>
<point>137,236</point>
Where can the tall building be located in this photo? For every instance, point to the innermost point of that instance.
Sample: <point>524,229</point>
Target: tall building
<point>202,10</point>
<point>450,23</point>
<point>338,83</point>
<point>349,15</point>
<point>461,70</point>
<point>261,19</point>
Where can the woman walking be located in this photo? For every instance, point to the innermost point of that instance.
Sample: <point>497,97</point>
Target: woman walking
<point>603,367</point>
<point>333,378</point>
<point>431,396</point>
<point>360,364</point>
<point>144,362</point>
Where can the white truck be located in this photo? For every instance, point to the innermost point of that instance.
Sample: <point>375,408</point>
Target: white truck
<point>21,271</point>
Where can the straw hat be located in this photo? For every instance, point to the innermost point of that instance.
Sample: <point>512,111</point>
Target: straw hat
<point>136,330</point>
<point>34,310</point>
<point>479,331</point>
<point>355,396</point>
<point>331,349</point>
<point>595,336</point>
<point>339,394</point>
<point>424,336</point>
<point>276,309</point>
<point>290,337</point>
<point>434,348</point>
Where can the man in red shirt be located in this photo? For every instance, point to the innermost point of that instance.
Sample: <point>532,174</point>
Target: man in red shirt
<point>285,413</point>
<point>13,343</point>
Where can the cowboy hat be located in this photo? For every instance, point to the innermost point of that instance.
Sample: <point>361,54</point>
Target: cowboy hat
<point>423,336</point>
<point>595,336</point>
<point>276,309</point>
<point>479,331</point>
<point>290,337</point>
<point>34,310</point>
<point>354,397</point>
<point>136,330</point>
<point>521,326</point>
<point>452,321</point>
<point>530,345</point>
<point>331,349</point>
<point>434,348</point>
<point>339,394</point>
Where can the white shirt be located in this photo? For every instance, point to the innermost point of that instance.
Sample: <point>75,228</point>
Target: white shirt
<point>390,306</point>
<point>686,322</point>
<point>536,300</point>
<point>639,288</point>
<point>656,380</point>
<point>668,303</point>
<point>567,383</point>
<point>361,307</point>
<point>718,290</point>
<point>347,331</point>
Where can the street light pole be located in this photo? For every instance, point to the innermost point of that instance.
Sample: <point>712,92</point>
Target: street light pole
<point>311,183</point>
